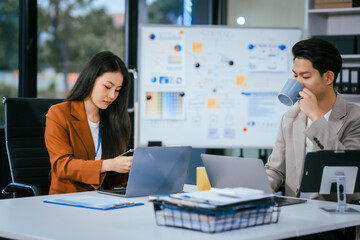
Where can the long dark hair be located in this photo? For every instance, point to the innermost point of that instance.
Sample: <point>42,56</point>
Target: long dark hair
<point>115,125</point>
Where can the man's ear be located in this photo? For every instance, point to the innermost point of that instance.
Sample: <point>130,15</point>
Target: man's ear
<point>329,77</point>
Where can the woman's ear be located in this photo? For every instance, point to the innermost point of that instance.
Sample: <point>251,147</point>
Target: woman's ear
<point>329,77</point>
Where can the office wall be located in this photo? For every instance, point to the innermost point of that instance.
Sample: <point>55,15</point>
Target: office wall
<point>267,13</point>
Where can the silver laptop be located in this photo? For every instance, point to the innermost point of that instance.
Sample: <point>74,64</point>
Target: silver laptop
<point>227,171</point>
<point>155,170</point>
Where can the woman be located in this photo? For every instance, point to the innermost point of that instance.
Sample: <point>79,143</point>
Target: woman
<point>86,134</point>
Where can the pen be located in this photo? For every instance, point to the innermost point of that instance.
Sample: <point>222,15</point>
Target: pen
<point>129,151</point>
<point>188,202</point>
<point>124,204</point>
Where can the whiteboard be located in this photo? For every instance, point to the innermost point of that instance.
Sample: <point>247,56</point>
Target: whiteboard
<point>212,86</point>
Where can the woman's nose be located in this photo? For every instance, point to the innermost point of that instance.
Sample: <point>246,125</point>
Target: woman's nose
<point>111,94</point>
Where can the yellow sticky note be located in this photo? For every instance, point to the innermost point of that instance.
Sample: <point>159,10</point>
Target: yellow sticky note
<point>212,103</point>
<point>197,47</point>
<point>240,80</point>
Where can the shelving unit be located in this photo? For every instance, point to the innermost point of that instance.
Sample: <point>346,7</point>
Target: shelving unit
<point>334,21</point>
<point>335,11</point>
<point>351,60</point>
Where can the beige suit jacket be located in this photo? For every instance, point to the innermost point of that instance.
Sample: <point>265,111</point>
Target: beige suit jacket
<point>72,151</point>
<point>286,163</point>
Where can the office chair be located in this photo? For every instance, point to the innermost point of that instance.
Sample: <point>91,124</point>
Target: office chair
<point>24,138</point>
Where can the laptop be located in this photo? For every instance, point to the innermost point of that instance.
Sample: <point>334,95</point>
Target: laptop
<point>232,172</point>
<point>155,170</point>
<point>321,168</point>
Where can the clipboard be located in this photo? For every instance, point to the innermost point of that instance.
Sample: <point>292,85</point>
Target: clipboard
<point>98,203</point>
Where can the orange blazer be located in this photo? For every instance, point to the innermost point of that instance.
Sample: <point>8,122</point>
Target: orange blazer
<point>71,149</point>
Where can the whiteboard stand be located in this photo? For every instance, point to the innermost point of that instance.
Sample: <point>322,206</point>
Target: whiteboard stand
<point>136,124</point>
<point>135,107</point>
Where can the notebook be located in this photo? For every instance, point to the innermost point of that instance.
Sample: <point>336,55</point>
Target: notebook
<point>233,172</point>
<point>155,170</point>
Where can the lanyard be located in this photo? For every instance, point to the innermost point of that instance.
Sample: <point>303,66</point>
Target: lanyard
<point>98,145</point>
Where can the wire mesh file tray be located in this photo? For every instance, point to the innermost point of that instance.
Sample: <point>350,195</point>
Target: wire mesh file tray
<point>218,219</point>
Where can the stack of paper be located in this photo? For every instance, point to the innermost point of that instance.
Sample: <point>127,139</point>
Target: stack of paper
<point>240,192</point>
<point>217,197</point>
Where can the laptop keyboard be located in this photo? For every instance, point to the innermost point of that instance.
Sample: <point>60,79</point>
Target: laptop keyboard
<point>285,201</point>
<point>114,192</point>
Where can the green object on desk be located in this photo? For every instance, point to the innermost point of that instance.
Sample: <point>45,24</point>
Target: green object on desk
<point>99,203</point>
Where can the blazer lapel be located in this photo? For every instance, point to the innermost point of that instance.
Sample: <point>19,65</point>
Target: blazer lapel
<point>81,126</point>
<point>299,143</point>
<point>336,119</point>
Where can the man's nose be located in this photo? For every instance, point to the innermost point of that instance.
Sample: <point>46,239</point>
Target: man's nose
<point>299,79</point>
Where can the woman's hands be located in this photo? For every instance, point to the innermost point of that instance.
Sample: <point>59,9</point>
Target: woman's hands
<point>119,164</point>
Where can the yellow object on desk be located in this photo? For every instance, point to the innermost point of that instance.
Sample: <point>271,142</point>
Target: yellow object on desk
<point>202,180</point>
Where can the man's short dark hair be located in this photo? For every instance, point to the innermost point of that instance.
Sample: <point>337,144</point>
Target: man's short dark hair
<point>323,55</point>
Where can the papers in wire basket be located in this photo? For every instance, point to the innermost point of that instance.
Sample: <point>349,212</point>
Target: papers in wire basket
<point>99,203</point>
<point>216,210</point>
<point>216,197</point>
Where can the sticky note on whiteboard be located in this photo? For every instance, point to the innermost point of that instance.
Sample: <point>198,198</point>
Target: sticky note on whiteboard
<point>197,47</point>
<point>240,80</point>
<point>212,103</point>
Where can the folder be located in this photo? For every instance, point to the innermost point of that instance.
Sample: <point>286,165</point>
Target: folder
<point>348,81</point>
<point>99,203</point>
<point>354,79</point>
<point>345,80</point>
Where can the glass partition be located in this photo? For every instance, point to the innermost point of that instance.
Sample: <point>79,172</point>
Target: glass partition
<point>69,34</point>
<point>9,51</point>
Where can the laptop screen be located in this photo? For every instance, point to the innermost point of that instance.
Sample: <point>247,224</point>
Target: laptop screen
<point>227,171</point>
<point>158,170</point>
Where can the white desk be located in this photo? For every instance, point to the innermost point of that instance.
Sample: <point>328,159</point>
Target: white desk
<point>30,218</point>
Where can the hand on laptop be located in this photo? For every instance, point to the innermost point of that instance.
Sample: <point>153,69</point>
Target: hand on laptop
<point>119,164</point>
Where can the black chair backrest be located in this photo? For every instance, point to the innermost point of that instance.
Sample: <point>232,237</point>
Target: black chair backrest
<point>24,135</point>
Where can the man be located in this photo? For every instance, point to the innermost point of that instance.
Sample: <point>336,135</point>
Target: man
<point>323,120</point>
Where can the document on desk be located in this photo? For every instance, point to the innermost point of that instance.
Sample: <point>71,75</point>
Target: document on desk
<point>217,197</point>
<point>99,203</point>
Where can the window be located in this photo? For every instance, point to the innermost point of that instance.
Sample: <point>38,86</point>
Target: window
<point>69,34</point>
<point>180,12</point>
<point>9,32</point>
<point>165,11</point>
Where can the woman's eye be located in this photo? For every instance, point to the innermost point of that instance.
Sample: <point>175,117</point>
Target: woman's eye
<point>107,87</point>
